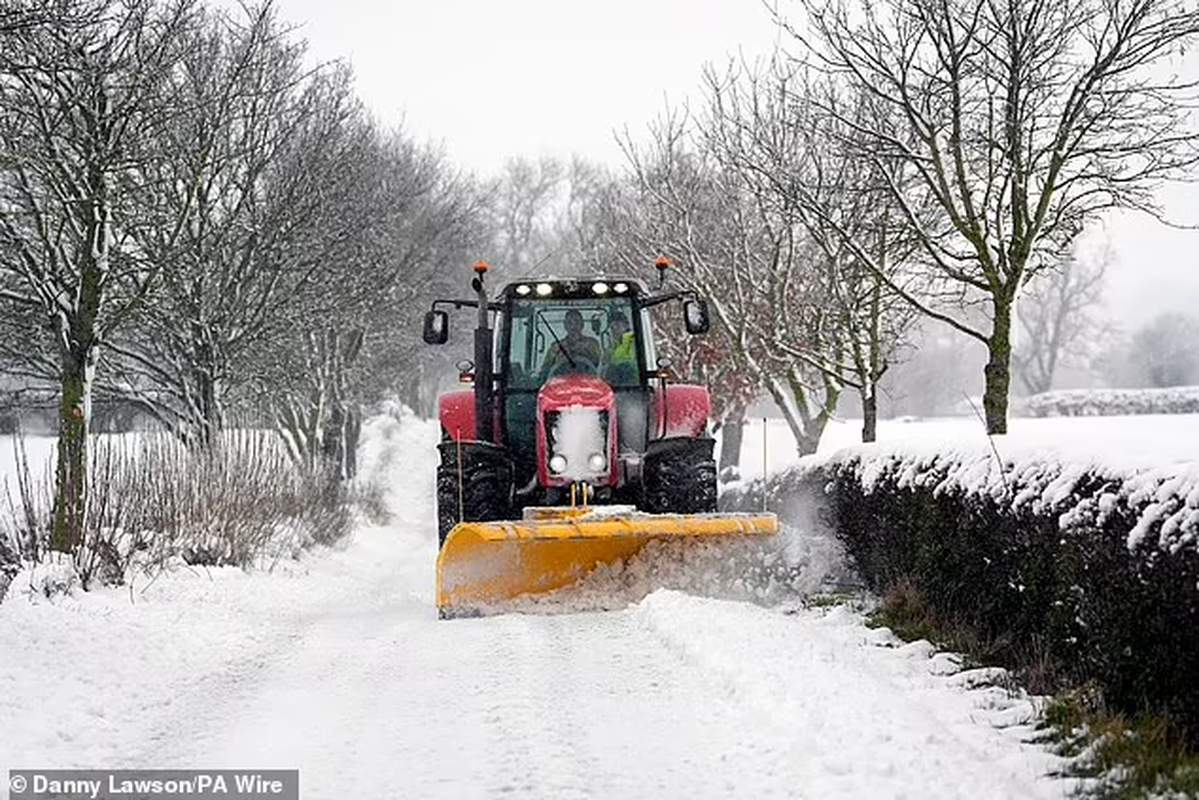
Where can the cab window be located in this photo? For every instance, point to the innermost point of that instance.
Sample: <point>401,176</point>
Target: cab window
<point>591,336</point>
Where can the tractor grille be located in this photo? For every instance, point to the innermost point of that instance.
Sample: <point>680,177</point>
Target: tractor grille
<point>577,434</point>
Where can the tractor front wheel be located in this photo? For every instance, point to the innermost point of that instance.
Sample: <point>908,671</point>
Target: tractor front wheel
<point>679,476</point>
<point>474,484</point>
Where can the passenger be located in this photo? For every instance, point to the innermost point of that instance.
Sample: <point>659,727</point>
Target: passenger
<point>622,351</point>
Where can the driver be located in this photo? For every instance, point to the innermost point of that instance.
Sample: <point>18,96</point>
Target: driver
<point>575,347</point>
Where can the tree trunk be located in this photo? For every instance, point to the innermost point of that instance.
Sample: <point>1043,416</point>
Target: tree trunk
<point>70,501</point>
<point>732,433</point>
<point>806,422</point>
<point>341,429</point>
<point>875,368</point>
<point>77,357</point>
<point>869,414</point>
<point>998,372</point>
<point>353,434</point>
<point>333,442</point>
<point>210,420</point>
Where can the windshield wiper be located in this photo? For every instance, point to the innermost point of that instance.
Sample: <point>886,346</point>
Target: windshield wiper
<point>561,348</point>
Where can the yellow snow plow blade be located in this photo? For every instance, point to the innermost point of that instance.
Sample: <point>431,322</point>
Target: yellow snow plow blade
<point>488,562</point>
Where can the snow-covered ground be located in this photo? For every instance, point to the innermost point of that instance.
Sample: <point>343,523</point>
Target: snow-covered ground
<point>336,665</point>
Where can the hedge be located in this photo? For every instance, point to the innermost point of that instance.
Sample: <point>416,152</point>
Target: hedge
<point>1113,402</point>
<point>1091,572</point>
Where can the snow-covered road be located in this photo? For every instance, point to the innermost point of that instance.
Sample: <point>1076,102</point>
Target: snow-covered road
<point>338,667</point>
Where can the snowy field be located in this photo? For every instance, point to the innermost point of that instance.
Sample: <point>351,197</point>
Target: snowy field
<point>1127,442</point>
<point>39,452</point>
<point>337,666</point>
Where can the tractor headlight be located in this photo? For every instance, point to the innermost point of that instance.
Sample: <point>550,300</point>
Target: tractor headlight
<point>598,462</point>
<point>558,463</point>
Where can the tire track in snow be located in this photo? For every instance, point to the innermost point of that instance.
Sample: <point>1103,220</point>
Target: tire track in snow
<point>867,717</point>
<point>536,748</point>
<point>597,707</point>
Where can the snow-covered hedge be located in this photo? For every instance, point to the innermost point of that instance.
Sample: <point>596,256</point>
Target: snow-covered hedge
<point>1089,571</point>
<point>1113,402</point>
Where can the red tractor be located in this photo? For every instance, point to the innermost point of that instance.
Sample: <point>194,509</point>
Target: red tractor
<point>570,408</point>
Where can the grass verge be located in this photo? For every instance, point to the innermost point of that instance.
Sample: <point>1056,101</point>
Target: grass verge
<point>1119,758</point>
<point>1113,756</point>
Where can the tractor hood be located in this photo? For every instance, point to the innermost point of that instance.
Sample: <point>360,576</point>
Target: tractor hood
<point>565,391</point>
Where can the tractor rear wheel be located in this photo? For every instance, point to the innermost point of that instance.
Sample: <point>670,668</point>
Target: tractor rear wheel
<point>484,492</point>
<point>679,477</point>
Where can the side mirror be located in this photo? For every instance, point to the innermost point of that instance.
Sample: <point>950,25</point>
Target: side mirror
<point>695,317</point>
<point>437,327</point>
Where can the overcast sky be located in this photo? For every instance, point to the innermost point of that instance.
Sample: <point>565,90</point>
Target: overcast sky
<point>496,78</point>
<point>490,79</point>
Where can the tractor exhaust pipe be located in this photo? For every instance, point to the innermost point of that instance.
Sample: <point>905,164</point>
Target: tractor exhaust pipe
<point>483,375</point>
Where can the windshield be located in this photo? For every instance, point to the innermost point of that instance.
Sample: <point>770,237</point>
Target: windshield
<point>591,336</point>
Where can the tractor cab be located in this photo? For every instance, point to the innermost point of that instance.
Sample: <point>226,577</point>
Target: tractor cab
<point>569,400</point>
<point>557,328</point>
<point>557,338</point>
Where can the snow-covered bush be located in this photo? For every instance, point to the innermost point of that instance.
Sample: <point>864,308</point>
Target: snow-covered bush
<point>242,502</point>
<point>1090,569</point>
<point>1113,402</point>
<point>152,501</point>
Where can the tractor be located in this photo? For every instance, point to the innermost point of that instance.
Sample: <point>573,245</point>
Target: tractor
<point>572,446</point>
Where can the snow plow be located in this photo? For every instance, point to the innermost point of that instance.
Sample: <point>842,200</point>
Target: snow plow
<point>572,448</point>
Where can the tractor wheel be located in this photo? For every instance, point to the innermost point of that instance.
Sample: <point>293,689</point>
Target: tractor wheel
<point>679,477</point>
<point>486,485</point>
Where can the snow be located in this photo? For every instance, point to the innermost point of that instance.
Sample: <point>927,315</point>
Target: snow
<point>1123,442</point>
<point>577,435</point>
<point>336,665</point>
<point>39,455</point>
<point>1149,458</point>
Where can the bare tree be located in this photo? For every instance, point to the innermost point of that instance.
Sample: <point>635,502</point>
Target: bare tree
<point>764,124</point>
<point>247,97</point>
<point>399,219</point>
<point>1021,120</point>
<point>20,16</point>
<point>742,249</point>
<point>1163,353</point>
<point>583,227</point>
<point>314,239</point>
<point>81,109</point>
<point>549,216</point>
<point>524,201</point>
<point>1059,322</point>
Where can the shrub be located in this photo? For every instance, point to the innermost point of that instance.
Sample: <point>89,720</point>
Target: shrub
<point>10,562</point>
<point>152,500</point>
<point>1113,402</point>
